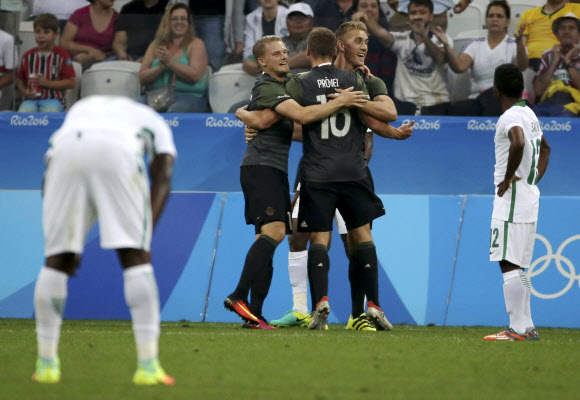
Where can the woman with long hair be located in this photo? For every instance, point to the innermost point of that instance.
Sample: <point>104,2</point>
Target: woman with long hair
<point>177,56</point>
<point>482,56</point>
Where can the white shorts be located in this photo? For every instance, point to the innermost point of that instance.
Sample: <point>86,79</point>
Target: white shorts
<point>512,242</point>
<point>94,177</point>
<point>338,220</point>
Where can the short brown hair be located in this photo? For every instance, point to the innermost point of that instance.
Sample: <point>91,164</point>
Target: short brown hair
<point>259,49</point>
<point>46,21</point>
<point>346,27</point>
<point>321,42</point>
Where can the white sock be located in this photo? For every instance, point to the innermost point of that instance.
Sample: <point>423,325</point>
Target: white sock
<point>49,300</point>
<point>142,298</point>
<point>527,308</point>
<point>298,271</point>
<point>515,296</point>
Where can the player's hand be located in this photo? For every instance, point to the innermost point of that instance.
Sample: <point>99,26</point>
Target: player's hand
<point>405,130</point>
<point>250,133</point>
<point>505,185</point>
<point>359,16</point>
<point>365,70</point>
<point>350,98</point>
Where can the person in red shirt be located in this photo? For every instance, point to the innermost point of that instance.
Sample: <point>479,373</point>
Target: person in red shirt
<point>45,71</point>
<point>88,34</point>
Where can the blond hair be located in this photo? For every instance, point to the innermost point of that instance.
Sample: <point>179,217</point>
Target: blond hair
<point>163,35</point>
<point>259,49</point>
<point>346,27</point>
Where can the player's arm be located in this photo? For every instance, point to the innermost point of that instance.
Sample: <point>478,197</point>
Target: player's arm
<point>516,152</point>
<point>369,143</point>
<point>306,115</point>
<point>160,171</point>
<point>387,130</point>
<point>543,159</point>
<point>259,119</point>
<point>382,108</point>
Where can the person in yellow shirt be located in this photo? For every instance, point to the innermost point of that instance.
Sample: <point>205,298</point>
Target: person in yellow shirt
<point>538,35</point>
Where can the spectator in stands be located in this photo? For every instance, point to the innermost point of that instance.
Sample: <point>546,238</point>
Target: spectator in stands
<point>557,82</point>
<point>222,24</point>
<point>45,71</point>
<point>177,55</point>
<point>299,21</point>
<point>421,75</point>
<point>268,19</point>
<point>136,27</point>
<point>332,13</point>
<point>7,63</point>
<point>538,35</point>
<point>400,20</point>
<point>59,8</point>
<point>482,56</point>
<point>380,60</point>
<point>88,34</point>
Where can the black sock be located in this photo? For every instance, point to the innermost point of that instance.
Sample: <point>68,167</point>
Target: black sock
<point>357,293</point>
<point>258,258</point>
<point>259,290</point>
<point>364,257</point>
<point>318,267</point>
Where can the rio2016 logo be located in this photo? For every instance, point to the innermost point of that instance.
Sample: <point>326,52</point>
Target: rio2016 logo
<point>563,264</point>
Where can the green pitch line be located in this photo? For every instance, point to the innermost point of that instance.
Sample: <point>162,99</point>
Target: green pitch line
<point>222,361</point>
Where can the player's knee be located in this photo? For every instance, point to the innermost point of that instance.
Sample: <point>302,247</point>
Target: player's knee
<point>132,257</point>
<point>298,241</point>
<point>64,262</point>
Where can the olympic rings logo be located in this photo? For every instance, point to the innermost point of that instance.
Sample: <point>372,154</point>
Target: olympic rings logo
<point>568,272</point>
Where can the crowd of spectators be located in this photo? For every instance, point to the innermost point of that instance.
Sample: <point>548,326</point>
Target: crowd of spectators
<point>182,42</point>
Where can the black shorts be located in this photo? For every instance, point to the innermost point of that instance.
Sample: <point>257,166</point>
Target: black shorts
<point>267,195</point>
<point>356,201</point>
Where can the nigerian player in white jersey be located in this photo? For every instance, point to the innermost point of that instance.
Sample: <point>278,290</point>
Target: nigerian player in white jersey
<point>521,159</point>
<point>96,170</point>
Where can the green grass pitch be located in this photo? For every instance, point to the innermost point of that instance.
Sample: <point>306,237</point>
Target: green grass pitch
<point>223,361</point>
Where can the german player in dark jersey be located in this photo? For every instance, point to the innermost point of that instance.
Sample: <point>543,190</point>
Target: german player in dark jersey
<point>334,175</point>
<point>264,175</point>
<point>352,46</point>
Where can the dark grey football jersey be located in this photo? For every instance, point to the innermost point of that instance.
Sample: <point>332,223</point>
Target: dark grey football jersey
<point>333,146</point>
<point>271,146</point>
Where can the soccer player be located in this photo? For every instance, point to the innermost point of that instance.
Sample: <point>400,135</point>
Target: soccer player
<point>264,174</point>
<point>521,159</point>
<point>95,169</point>
<point>334,176</point>
<point>352,47</point>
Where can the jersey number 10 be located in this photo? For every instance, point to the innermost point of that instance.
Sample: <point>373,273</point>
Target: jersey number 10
<point>333,128</point>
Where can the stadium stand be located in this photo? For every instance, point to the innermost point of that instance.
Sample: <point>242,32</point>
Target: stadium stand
<point>112,77</point>
<point>229,86</point>
<point>72,95</point>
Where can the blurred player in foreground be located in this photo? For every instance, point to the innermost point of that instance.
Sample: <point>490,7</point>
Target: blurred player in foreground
<point>521,159</point>
<point>95,169</point>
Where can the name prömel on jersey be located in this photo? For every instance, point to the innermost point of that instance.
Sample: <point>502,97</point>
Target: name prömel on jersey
<point>327,83</point>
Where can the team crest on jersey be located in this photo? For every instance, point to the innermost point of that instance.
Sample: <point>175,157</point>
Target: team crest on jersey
<point>269,211</point>
<point>68,61</point>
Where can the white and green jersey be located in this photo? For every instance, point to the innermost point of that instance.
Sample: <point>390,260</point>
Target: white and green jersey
<point>132,125</point>
<point>520,202</point>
